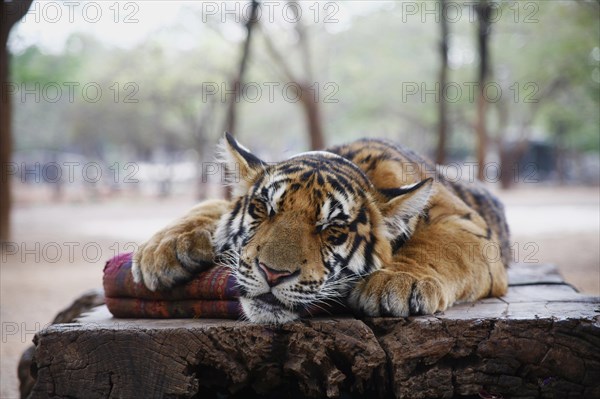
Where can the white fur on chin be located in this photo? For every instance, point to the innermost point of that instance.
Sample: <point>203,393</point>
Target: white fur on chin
<point>264,313</point>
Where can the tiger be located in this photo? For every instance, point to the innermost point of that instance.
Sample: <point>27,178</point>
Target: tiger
<point>370,224</point>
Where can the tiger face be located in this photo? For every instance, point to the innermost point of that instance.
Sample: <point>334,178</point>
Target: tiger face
<point>302,232</point>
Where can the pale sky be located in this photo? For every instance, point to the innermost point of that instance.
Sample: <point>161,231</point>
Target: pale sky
<point>49,23</point>
<point>125,23</point>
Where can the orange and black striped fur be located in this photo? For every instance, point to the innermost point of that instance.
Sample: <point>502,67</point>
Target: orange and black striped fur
<point>370,223</point>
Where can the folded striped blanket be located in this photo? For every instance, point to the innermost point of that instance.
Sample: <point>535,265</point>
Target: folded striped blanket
<point>211,294</point>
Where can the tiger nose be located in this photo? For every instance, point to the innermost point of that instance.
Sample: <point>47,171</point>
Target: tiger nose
<point>275,277</point>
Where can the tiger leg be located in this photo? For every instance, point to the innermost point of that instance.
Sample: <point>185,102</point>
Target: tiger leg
<point>446,262</point>
<point>179,251</point>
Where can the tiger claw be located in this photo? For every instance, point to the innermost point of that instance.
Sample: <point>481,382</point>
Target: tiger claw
<point>397,294</point>
<point>170,260</point>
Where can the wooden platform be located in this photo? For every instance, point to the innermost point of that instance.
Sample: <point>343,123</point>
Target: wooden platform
<point>541,340</point>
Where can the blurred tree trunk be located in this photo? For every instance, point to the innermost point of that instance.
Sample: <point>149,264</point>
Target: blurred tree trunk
<point>483,10</point>
<point>309,102</point>
<point>10,13</point>
<point>506,154</point>
<point>238,81</point>
<point>561,151</point>
<point>309,96</point>
<point>442,107</point>
<point>313,118</point>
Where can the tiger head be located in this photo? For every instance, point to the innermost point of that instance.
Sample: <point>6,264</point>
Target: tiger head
<point>301,232</point>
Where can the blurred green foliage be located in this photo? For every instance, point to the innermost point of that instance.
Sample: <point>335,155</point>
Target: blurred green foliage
<point>546,60</point>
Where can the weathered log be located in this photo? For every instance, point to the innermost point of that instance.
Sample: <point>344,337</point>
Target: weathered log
<point>541,340</point>
<point>83,304</point>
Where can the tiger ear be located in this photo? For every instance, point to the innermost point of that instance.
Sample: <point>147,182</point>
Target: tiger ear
<point>405,203</point>
<point>242,168</point>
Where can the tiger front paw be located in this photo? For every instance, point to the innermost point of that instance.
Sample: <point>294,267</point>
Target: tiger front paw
<point>398,294</point>
<point>171,258</point>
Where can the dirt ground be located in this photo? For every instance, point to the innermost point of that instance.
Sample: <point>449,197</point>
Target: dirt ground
<point>59,250</point>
